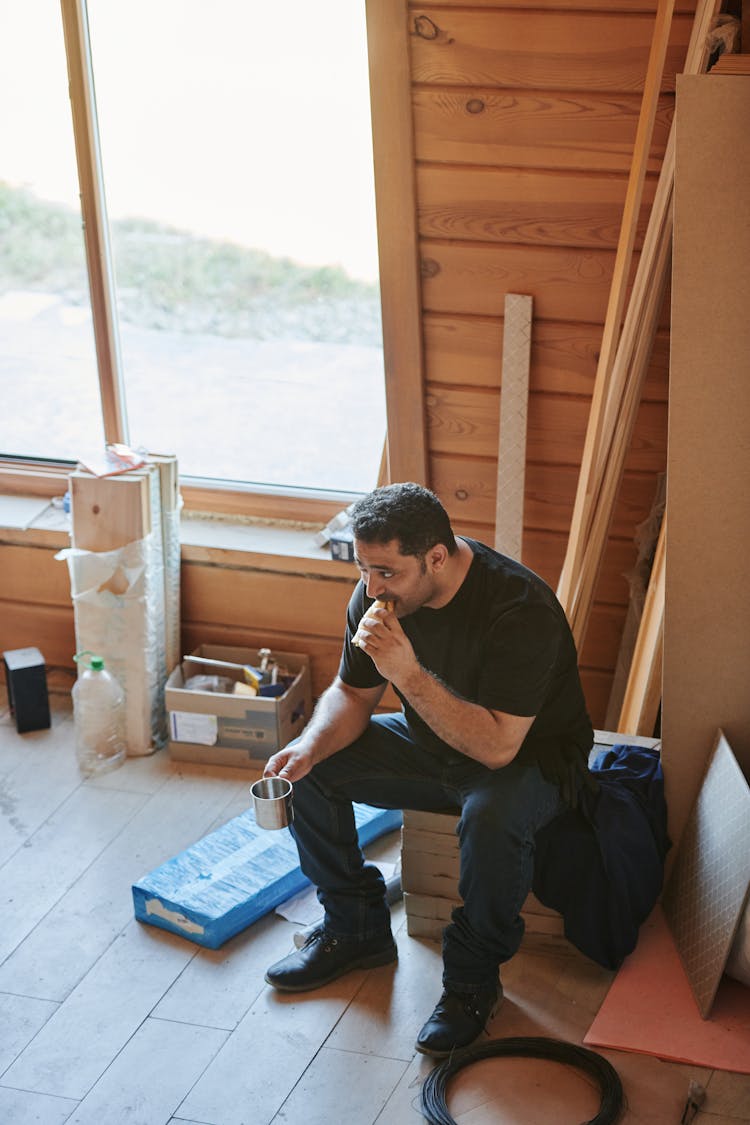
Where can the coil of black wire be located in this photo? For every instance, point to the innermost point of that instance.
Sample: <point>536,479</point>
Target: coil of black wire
<point>434,1089</point>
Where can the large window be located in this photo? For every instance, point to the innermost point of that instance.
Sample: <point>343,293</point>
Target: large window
<point>48,381</point>
<point>237,163</point>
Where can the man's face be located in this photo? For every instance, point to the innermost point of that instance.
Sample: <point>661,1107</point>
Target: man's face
<point>406,580</point>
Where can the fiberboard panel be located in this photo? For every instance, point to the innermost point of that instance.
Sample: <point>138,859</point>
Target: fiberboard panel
<point>707,610</point>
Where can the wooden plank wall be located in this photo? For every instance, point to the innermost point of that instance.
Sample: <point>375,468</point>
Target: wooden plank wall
<point>524,121</point>
<point>227,598</point>
<point>35,605</point>
<point>291,610</point>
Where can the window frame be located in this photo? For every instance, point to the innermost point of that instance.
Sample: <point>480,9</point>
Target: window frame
<point>405,450</point>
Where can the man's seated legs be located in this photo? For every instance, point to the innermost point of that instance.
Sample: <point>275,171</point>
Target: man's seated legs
<point>383,768</point>
<point>501,812</point>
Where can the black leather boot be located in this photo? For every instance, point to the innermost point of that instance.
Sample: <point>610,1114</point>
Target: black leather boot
<point>323,958</point>
<point>457,1020</point>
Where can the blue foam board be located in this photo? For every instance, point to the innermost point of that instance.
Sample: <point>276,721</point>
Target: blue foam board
<point>233,876</point>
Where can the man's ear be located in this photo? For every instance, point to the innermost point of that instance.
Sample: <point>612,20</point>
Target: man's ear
<point>436,557</point>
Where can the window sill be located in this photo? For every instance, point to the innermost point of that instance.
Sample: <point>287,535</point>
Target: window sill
<point>222,498</point>
<point>260,545</point>
<point>210,540</point>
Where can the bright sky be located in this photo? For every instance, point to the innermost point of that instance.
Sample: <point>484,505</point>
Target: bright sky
<point>245,120</point>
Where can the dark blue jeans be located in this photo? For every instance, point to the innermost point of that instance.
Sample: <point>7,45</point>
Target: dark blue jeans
<point>501,811</point>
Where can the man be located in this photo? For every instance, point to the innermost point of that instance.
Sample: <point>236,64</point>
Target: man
<point>494,722</point>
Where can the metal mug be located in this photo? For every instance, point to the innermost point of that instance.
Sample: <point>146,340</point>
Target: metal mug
<point>272,801</point>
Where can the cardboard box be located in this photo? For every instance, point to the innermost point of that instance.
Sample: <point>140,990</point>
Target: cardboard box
<point>235,730</point>
<point>341,544</point>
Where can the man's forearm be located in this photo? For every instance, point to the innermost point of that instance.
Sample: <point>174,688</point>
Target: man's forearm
<point>340,717</point>
<point>486,736</point>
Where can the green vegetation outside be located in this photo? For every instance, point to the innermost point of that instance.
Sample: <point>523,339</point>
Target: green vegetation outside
<point>167,279</point>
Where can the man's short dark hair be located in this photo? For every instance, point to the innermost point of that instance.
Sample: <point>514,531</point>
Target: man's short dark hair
<point>408,513</point>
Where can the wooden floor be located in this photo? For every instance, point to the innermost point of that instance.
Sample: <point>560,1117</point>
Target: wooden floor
<point>104,1020</point>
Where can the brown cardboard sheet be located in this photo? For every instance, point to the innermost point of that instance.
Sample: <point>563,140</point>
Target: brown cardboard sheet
<point>707,601</point>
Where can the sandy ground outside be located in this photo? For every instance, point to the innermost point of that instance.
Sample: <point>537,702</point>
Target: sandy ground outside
<point>294,413</point>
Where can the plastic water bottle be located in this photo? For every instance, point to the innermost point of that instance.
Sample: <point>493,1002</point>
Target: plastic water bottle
<point>99,717</point>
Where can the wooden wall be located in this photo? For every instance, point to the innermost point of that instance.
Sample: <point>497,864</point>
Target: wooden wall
<point>35,606</point>
<point>228,597</point>
<point>524,121</point>
<point>294,610</point>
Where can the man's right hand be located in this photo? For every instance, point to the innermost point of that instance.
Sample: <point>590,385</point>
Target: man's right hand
<point>291,763</point>
<point>340,716</point>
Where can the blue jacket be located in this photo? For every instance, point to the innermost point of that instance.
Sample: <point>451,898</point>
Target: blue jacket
<point>601,864</point>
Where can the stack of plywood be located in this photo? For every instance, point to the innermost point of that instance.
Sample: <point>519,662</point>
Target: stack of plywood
<point>429,877</point>
<point>124,568</point>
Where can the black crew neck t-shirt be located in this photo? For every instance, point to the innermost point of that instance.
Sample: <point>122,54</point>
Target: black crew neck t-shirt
<point>503,641</point>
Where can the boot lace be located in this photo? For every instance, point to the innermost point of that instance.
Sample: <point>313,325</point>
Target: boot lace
<point>328,941</point>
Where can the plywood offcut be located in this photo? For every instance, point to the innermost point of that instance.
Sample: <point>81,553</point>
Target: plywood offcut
<point>706,891</point>
<point>514,399</point>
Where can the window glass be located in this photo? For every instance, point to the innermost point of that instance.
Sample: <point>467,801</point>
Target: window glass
<point>237,156</point>
<point>48,380</point>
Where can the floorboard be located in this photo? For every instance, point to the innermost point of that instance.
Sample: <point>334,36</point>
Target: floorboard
<point>106,1021</point>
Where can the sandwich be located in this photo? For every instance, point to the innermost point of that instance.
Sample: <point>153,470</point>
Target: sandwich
<point>368,617</point>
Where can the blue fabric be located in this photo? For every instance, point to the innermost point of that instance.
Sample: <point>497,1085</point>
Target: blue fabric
<point>601,864</point>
